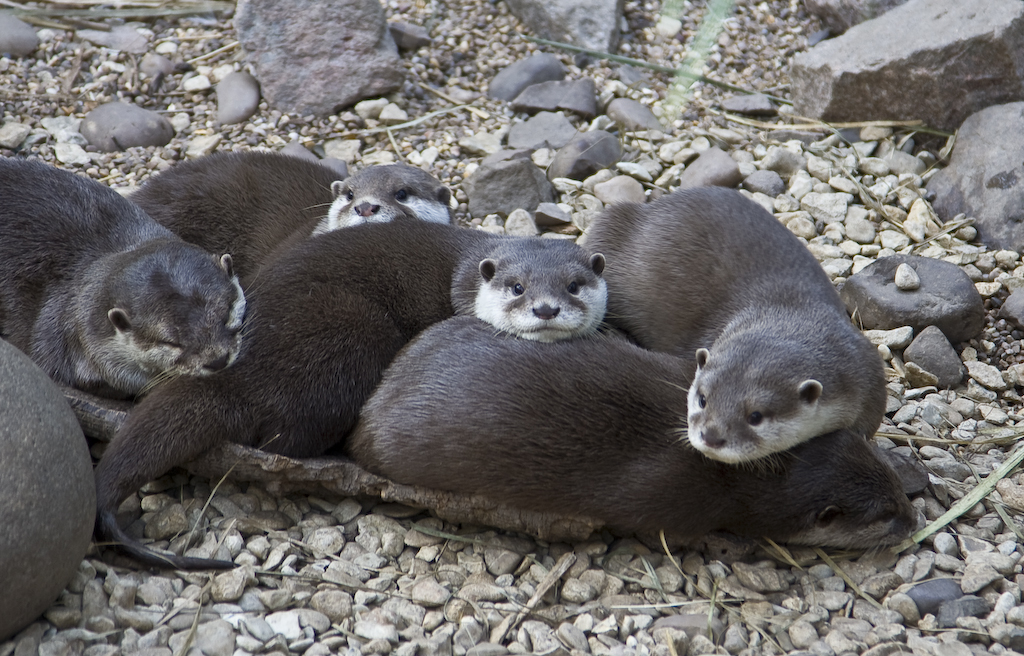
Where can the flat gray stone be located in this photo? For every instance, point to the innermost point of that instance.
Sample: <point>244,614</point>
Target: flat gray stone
<point>550,214</point>
<point>985,175</point>
<point>17,37</point>
<point>591,24</point>
<point>633,116</point>
<point>48,506</point>
<point>153,64</point>
<point>306,69</point>
<point>713,168</point>
<point>512,80</point>
<point>912,61</point>
<point>409,37</point>
<point>946,299</point>
<point>238,98</point>
<point>783,161</point>
<point>620,189</point>
<point>579,96</point>
<point>122,37</point>
<point>585,155</point>
<point>932,352</point>
<point>929,595</point>
<point>545,130</point>
<point>840,15</point>
<point>117,126</point>
<point>753,104</point>
<point>769,183</point>
<point>505,186</point>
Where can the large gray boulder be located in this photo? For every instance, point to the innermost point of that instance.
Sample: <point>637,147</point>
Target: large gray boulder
<point>591,24</point>
<point>315,57</point>
<point>934,60</point>
<point>47,492</point>
<point>501,187</point>
<point>840,15</point>
<point>985,176</point>
<point>116,126</point>
<point>16,36</point>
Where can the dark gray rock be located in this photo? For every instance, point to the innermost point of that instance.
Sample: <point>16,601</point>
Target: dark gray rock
<point>116,126</point>
<point>153,64</point>
<point>985,176</point>
<point>590,24</point>
<point>585,155</point>
<point>339,166</point>
<point>122,37</point>
<point>513,79</point>
<point>714,167</point>
<point>504,155</point>
<point>550,214</point>
<point>1013,308</point>
<point>238,98</point>
<point>766,182</point>
<point>545,130</point>
<point>306,69</point>
<point>409,37</point>
<point>754,104</point>
<point>840,15</point>
<point>295,149</point>
<point>931,351</point>
<point>633,116</point>
<point>911,61</point>
<point>502,187</point>
<point>579,96</point>
<point>17,37</point>
<point>966,606</point>
<point>48,504</point>
<point>913,476</point>
<point>928,596</point>
<point>946,299</point>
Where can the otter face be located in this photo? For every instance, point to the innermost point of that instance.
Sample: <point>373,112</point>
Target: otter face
<point>744,405</point>
<point>379,194</point>
<point>184,319</point>
<point>542,296</point>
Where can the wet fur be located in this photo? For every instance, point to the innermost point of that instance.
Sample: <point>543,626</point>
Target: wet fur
<point>590,427</point>
<point>73,250</point>
<point>697,268</point>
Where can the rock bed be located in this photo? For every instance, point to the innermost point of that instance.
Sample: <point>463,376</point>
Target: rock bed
<point>323,576</point>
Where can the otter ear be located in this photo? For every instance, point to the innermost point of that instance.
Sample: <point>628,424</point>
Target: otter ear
<point>445,196</point>
<point>597,263</point>
<point>488,268</point>
<point>119,318</point>
<point>336,187</point>
<point>829,514</point>
<point>226,264</point>
<point>702,357</point>
<point>809,390</point>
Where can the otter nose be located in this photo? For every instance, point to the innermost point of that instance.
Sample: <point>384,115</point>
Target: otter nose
<point>546,312</point>
<point>712,439</point>
<point>367,209</point>
<point>218,364</point>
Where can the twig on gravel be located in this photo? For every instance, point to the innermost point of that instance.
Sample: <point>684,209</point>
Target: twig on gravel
<point>399,126</point>
<point>783,553</point>
<point>560,568</point>
<point>971,499</point>
<point>843,575</point>
<point>394,144</point>
<point>474,110</point>
<point>597,54</point>
<point>214,53</point>
<point>814,124</point>
<point>126,10</point>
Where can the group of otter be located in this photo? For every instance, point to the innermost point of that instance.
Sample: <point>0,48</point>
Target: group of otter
<point>546,375</point>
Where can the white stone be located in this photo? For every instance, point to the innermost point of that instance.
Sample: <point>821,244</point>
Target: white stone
<point>481,144</point>
<point>12,134</point>
<point>635,170</point>
<point>392,114</point>
<point>986,375</point>
<point>346,150</point>
<point>829,208</point>
<point>203,146</point>
<point>894,240</point>
<point>897,338</point>
<point>520,224</point>
<point>368,109</point>
<point>379,157</point>
<point>196,83</point>
<point>68,153</point>
<point>181,121</point>
<point>285,622</point>
<point>906,278</point>
<point>988,289</point>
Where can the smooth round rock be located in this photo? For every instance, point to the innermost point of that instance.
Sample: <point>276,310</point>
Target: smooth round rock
<point>906,278</point>
<point>931,351</point>
<point>16,36</point>
<point>585,155</point>
<point>620,189</point>
<point>946,298</point>
<point>766,182</point>
<point>117,126</point>
<point>633,116</point>
<point>545,130</point>
<point>511,81</point>
<point>48,506</point>
<point>238,98</point>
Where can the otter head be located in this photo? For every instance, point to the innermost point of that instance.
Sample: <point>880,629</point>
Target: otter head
<point>753,396</point>
<point>544,291</point>
<point>176,311</point>
<point>379,194</point>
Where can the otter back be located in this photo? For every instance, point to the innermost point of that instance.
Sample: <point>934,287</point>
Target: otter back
<point>98,294</point>
<point>595,427</point>
<point>711,277</point>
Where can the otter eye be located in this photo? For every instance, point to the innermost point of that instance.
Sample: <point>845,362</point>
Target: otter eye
<point>574,288</point>
<point>518,289</point>
<point>349,195</point>
<point>754,418</point>
<point>702,401</point>
<point>169,344</point>
<point>401,194</point>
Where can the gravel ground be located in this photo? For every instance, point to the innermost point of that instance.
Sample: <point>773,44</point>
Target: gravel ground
<point>322,576</point>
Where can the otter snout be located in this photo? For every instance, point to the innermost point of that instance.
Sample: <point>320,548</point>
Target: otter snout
<point>366,209</point>
<point>220,363</point>
<point>546,312</point>
<point>711,438</point>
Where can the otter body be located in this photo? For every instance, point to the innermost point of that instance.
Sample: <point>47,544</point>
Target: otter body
<point>253,204</point>
<point>595,427</point>
<point>100,296</point>
<point>711,277</point>
<point>540,289</point>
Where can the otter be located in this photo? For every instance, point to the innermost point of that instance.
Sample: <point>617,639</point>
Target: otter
<point>254,204</point>
<point>540,289</point>
<point>710,276</point>
<point>99,295</point>
<point>594,427</point>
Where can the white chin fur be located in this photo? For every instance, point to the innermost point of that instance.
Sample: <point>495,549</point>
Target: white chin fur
<point>425,210</point>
